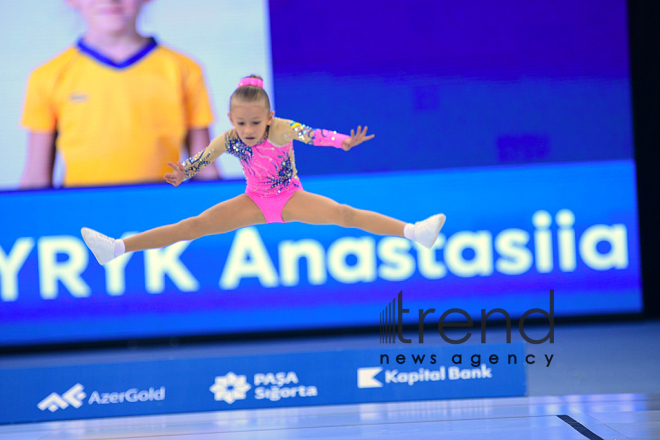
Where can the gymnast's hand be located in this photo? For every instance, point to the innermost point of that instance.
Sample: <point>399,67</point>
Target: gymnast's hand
<point>356,138</point>
<point>177,175</point>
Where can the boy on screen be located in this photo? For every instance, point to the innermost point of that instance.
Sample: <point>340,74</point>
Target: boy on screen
<point>116,106</point>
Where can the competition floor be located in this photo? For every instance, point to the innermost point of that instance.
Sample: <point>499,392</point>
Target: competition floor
<point>614,416</point>
<point>604,385</point>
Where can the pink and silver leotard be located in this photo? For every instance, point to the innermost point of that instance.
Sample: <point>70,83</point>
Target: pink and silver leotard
<point>269,166</point>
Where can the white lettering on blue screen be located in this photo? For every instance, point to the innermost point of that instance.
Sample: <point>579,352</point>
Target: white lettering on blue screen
<point>62,260</point>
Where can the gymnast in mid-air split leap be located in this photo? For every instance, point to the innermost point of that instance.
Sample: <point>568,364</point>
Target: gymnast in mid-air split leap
<point>274,194</point>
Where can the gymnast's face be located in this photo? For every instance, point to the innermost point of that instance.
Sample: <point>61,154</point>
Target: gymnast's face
<point>250,120</point>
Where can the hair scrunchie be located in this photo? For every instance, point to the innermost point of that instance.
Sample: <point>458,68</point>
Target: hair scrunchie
<point>251,82</point>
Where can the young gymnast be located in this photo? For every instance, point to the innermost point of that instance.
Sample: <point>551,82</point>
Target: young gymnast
<point>274,194</point>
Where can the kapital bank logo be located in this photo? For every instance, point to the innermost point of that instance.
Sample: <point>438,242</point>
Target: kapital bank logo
<point>75,396</point>
<point>391,323</point>
<point>367,377</point>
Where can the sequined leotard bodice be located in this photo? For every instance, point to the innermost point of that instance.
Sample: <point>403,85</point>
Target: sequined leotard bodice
<point>269,166</point>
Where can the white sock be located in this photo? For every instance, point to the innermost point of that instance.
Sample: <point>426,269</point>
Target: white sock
<point>409,231</point>
<point>120,248</point>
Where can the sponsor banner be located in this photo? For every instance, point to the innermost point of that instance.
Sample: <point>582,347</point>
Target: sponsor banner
<point>511,235</point>
<point>388,374</point>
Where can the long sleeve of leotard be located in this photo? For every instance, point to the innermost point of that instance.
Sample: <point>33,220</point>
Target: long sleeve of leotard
<point>312,136</point>
<point>213,150</point>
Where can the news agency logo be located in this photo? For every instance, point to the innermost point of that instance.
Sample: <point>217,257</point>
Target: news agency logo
<point>388,323</point>
<point>230,388</point>
<point>72,397</point>
<point>391,328</point>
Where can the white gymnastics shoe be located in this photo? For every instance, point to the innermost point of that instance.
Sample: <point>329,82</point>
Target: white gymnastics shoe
<point>426,231</point>
<point>102,246</point>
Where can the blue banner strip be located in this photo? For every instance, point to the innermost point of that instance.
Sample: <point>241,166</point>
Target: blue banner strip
<point>386,374</point>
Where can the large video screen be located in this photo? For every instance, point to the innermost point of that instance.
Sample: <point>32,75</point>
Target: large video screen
<point>514,120</point>
<point>128,111</point>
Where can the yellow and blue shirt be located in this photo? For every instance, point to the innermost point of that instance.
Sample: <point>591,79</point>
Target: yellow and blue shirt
<point>117,123</point>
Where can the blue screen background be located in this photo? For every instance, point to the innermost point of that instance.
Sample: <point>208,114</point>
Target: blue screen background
<point>493,114</point>
<point>456,84</point>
